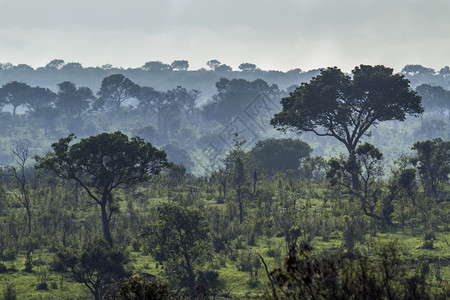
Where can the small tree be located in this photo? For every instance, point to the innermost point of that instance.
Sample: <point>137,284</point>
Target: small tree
<point>421,179</point>
<point>433,166</point>
<point>365,163</point>
<point>97,266</point>
<point>179,240</point>
<point>22,178</point>
<point>103,163</point>
<point>137,287</point>
<point>239,175</point>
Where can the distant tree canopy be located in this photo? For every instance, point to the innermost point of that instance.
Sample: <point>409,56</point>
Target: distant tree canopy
<point>417,70</point>
<point>168,105</point>
<point>15,93</point>
<point>178,156</point>
<point>39,97</point>
<point>334,104</point>
<point>434,97</point>
<point>213,64</point>
<point>56,64</point>
<point>247,67</point>
<point>73,101</point>
<point>278,155</point>
<point>156,66</point>
<point>180,65</point>
<point>103,163</point>
<point>233,96</point>
<point>19,94</point>
<point>115,89</point>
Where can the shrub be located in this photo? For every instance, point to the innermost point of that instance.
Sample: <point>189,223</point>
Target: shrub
<point>136,245</point>
<point>42,286</point>
<point>429,245</point>
<point>3,268</point>
<point>9,254</point>
<point>351,276</point>
<point>9,293</point>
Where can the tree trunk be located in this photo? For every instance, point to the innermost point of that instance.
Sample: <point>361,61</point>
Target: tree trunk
<point>106,229</point>
<point>255,178</point>
<point>29,217</point>
<point>191,275</point>
<point>241,213</point>
<point>224,185</point>
<point>355,181</point>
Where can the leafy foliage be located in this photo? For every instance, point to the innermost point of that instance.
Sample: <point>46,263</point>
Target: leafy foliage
<point>178,240</point>
<point>334,104</point>
<point>97,266</point>
<point>103,163</point>
<point>278,155</point>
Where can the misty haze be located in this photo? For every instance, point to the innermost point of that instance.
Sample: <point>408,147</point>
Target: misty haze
<point>212,150</point>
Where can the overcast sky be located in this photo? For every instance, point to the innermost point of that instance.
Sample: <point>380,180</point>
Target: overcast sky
<point>277,34</point>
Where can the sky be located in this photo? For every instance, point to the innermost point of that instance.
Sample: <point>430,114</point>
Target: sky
<point>273,34</point>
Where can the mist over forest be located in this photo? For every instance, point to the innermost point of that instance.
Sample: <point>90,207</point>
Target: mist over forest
<point>164,182</point>
<point>187,111</point>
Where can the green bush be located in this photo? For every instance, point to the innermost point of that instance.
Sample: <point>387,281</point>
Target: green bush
<point>9,293</point>
<point>136,245</point>
<point>429,245</point>
<point>9,254</point>
<point>3,268</point>
<point>42,286</point>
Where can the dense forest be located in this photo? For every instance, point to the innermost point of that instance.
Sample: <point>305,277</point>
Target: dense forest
<point>162,182</point>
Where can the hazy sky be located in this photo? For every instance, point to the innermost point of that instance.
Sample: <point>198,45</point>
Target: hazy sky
<point>277,34</point>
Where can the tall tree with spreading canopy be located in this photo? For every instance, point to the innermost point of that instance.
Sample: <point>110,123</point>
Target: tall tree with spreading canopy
<point>103,163</point>
<point>337,105</point>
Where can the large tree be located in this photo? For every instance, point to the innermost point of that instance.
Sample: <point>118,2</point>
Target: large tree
<point>103,163</point>
<point>346,107</point>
